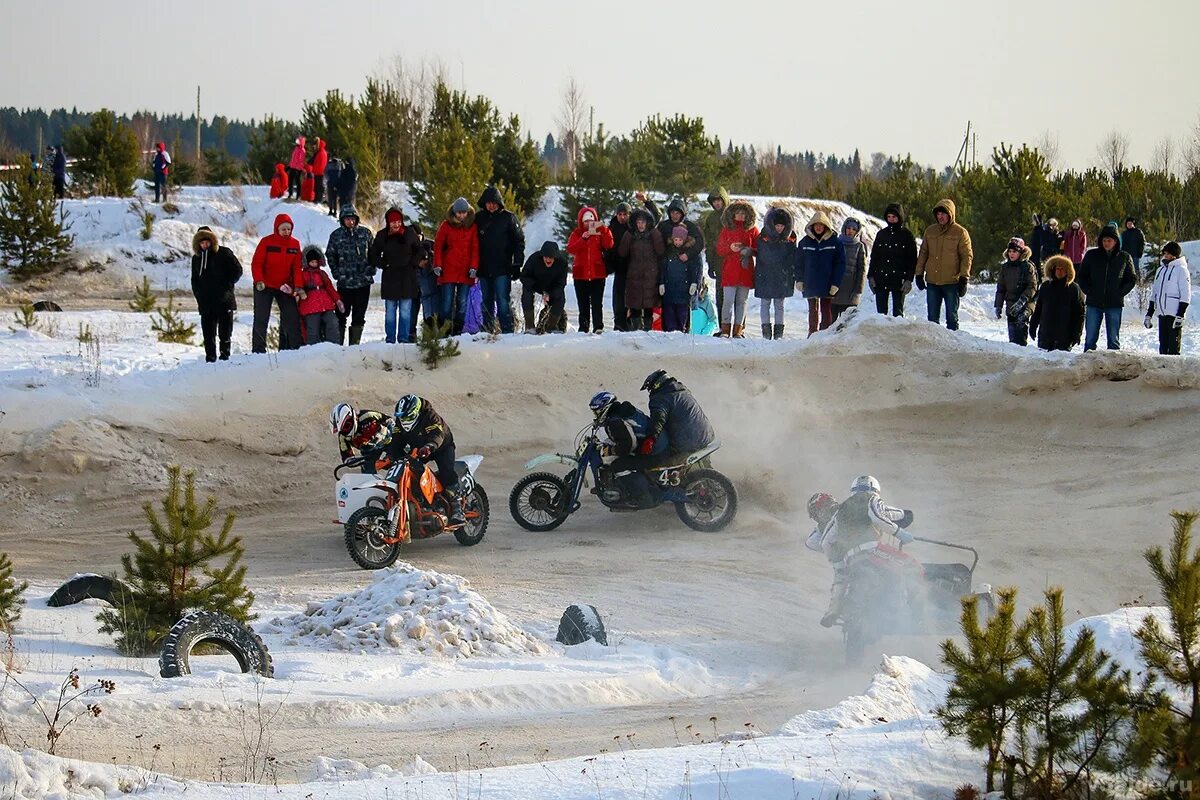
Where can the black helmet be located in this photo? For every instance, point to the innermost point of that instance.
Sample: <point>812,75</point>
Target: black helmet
<point>655,379</point>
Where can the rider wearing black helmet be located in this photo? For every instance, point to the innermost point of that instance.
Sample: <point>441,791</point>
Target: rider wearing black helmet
<point>675,411</point>
<point>420,428</point>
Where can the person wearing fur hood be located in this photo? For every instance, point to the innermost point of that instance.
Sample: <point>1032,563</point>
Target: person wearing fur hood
<point>736,248</point>
<point>215,271</point>
<point>822,267</point>
<point>775,272</point>
<point>1057,321</point>
<point>1017,280</point>
<point>1170,297</point>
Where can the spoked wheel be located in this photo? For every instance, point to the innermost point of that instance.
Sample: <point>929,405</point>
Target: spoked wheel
<point>475,509</point>
<point>365,532</point>
<point>711,502</point>
<point>539,502</point>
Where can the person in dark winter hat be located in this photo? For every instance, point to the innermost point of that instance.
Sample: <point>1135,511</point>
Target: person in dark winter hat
<point>775,269</point>
<point>349,254</point>
<point>1057,321</point>
<point>60,172</point>
<point>1015,289</point>
<point>850,292</point>
<point>501,256</point>
<point>1169,298</point>
<point>678,283</point>
<point>347,183</point>
<point>545,274</point>
<point>1133,241</point>
<point>215,272</point>
<point>616,264</point>
<point>333,180</point>
<point>318,301</point>
<point>893,262</point>
<point>1046,240</point>
<point>398,252</point>
<point>1105,276</point>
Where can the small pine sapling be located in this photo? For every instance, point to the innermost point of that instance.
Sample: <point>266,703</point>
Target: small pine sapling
<point>11,593</point>
<point>33,226</point>
<point>436,345</point>
<point>143,300</point>
<point>25,316</point>
<point>170,326</point>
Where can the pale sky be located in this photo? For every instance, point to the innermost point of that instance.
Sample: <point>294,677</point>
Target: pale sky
<point>881,75</point>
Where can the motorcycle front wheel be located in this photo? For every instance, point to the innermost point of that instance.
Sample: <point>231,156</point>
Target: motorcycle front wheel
<point>539,502</point>
<point>711,502</point>
<point>477,512</point>
<point>365,531</point>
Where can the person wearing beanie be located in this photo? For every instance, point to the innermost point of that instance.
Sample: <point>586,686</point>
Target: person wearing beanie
<point>1046,240</point>
<point>587,244</point>
<point>501,256</point>
<point>1105,276</point>
<point>296,165</point>
<point>678,282</point>
<point>161,164</point>
<point>456,262</point>
<point>617,264</point>
<point>215,271</point>
<point>893,262</point>
<point>319,303</point>
<point>545,274</point>
<point>1170,297</point>
<point>1015,289</point>
<point>850,292</point>
<point>944,264</point>
<point>736,247</point>
<point>397,251</point>
<point>348,252</point>
<point>1133,241</point>
<point>1057,320</point>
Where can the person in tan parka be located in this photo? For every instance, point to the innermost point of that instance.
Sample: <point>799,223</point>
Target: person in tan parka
<point>944,264</point>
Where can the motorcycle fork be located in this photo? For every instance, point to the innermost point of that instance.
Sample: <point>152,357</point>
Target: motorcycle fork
<point>398,514</point>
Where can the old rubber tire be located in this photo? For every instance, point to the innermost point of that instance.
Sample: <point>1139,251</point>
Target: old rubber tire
<point>544,489</point>
<point>579,623</point>
<point>362,539</point>
<point>219,630</point>
<point>88,587</point>
<point>713,504</point>
<point>472,533</point>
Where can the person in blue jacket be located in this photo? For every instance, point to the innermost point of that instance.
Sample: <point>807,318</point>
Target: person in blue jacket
<point>820,271</point>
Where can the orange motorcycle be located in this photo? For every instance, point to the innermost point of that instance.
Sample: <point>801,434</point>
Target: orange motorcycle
<point>408,504</point>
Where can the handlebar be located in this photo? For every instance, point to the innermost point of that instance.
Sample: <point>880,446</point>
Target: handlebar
<point>349,463</point>
<point>970,550</point>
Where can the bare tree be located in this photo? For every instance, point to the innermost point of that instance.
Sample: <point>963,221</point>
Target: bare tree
<point>1191,151</point>
<point>1047,145</point>
<point>1165,156</point>
<point>415,82</point>
<point>1113,153</point>
<point>572,119</point>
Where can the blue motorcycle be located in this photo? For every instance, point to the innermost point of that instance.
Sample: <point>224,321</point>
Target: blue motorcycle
<point>704,499</point>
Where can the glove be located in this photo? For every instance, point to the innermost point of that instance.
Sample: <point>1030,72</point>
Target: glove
<point>692,289</point>
<point>422,452</point>
<point>1148,323</point>
<point>341,307</point>
<point>962,287</point>
<point>998,312</point>
<point>1178,323</point>
<point>382,463</point>
<point>301,294</point>
<point>871,283</point>
<point>437,271</point>
<point>833,290</point>
<point>904,536</point>
<point>646,446</point>
<point>662,289</point>
<point>471,273</point>
<point>286,289</point>
<point>921,282</point>
<point>906,287</point>
<point>259,286</point>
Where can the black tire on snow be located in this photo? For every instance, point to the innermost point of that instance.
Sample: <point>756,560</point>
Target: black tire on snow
<point>355,545</point>
<point>549,483</point>
<point>88,587</point>
<point>579,623</point>
<point>472,534</point>
<point>855,639</point>
<point>714,480</point>
<point>220,630</point>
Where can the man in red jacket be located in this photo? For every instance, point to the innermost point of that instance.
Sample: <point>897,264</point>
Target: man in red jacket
<point>277,271</point>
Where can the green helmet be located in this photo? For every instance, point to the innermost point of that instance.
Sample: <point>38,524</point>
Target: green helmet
<point>408,410</point>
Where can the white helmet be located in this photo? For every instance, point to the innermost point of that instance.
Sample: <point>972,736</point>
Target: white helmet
<point>864,483</point>
<point>343,420</point>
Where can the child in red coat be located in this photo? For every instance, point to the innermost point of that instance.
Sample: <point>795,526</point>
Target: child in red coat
<point>279,183</point>
<point>319,301</point>
<point>308,186</point>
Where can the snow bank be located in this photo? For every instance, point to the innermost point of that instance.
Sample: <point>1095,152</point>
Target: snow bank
<point>407,607</point>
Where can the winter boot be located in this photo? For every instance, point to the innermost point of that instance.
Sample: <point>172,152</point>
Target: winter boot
<point>837,599</point>
<point>647,322</point>
<point>456,518</point>
<point>778,332</point>
<point>724,332</point>
<point>355,334</point>
<point>225,347</point>
<point>739,331</point>
<point>766,330</point>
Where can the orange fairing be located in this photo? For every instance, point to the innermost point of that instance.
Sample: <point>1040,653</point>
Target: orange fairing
<point>430,486</point>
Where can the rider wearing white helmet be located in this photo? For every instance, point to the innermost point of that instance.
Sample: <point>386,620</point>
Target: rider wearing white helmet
<point>360,432</point>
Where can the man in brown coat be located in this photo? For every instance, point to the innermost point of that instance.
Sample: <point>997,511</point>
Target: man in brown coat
<point>944,264</point>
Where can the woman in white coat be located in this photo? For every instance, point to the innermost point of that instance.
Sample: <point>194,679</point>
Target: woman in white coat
<point>1170,296</point>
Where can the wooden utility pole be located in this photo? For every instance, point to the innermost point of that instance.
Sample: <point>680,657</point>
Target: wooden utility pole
<point>964,152</point>
<point>197,126</point>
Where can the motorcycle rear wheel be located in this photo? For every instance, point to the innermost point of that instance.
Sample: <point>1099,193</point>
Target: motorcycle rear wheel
<point>364,539</point>
<point>539,502</point>
<point>712,501</point>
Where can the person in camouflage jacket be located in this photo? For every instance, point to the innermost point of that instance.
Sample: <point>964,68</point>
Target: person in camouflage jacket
<point>348,257</point>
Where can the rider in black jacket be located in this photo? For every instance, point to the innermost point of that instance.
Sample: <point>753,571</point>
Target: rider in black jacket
<point>419,427</point>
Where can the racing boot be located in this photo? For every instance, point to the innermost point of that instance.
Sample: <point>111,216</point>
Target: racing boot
<point>837,599</point>
<point>456,519</point>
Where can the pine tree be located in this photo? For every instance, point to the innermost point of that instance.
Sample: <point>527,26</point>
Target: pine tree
<point>33,228</point>
<point>982,699</point>
<point>1076,709</point>
<point>143,300</point>
<point>455,165</point>
<point>271,144</point>
<point>11,593</point>
<point>109,156</point>
<point>1173,656</point>
<point>516,164</point>
<point>172,572</point>
<point>604,176</point>
<point>170,326</point>
<point>435,344</point>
